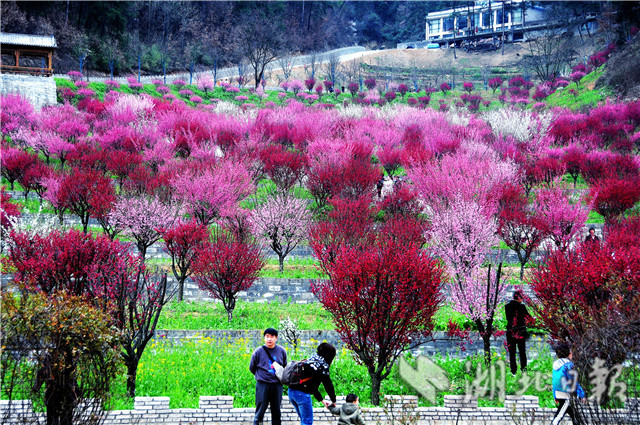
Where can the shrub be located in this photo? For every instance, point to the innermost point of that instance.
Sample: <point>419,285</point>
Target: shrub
<point>370,83</point>
<point>495,83</point>
<point>402,89</point>
<point>353,89</point>
<point>309,83</point>
<point>74,75</point>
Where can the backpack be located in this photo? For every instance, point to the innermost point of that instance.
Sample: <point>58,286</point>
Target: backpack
<point>292,374</point>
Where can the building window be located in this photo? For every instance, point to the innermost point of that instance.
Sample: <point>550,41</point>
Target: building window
<point>434,27</point>
<point>486,20</point>
<point>462,22</point>
<point>447,24</point>
<point>517,16</point>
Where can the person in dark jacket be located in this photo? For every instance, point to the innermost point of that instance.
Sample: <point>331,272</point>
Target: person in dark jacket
<point>591,237</point>
<point>268,386</point>
<point>316,372</point>
<point>517,319</point>
<point>349,412</point>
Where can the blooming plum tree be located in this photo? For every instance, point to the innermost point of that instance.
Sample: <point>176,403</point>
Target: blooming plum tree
<point>183,242</point>
<point>611,197</point>
<point>285,168</point>
<point>282,222</point>
<point>85,193</point>
<point>144,218</point>
<point>561,220</point>
<point>214,191</point>
<point>227,266</point>
<point>382,298</point>
<point>518,226</point>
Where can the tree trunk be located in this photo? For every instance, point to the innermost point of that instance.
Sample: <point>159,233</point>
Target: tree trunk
<point>281,263</point>
<point>85,223</point>
<point>180,289</point>
<point>375,388</point>
<point>486,339</point>
<point>229,315</point>
<point>132,371</point>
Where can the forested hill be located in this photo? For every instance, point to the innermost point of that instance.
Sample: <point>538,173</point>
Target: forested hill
<point>209,32</point>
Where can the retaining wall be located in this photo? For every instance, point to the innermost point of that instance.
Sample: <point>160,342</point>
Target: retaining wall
<point>40,91</point>
<point>308,340</point>
<point>216,410</point>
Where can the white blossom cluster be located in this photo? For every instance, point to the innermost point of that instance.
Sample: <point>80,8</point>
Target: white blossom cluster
<point>521,125</point>
<point>30,225</point>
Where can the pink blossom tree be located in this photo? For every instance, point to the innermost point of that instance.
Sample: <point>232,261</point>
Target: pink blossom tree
<point>144,218</point>
<point>282,222</point>
<point>213,192</point>
<point>562,219</point>
<point>458,198</point>
<point>16,113</point>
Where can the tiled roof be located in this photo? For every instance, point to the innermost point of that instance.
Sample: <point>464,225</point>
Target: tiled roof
<point>28,40</point>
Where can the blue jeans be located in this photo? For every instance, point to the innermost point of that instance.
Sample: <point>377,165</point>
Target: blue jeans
<point>302,403</point>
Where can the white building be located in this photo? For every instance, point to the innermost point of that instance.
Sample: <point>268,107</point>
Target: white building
<point>484,19</point>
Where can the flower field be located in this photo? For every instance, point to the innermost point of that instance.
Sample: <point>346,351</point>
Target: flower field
<point>399,195</point>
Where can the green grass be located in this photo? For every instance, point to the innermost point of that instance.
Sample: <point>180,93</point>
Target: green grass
<point>246,315</point>
<point>206,366</point>
<point>295,268</point>
<point>583,96</point>
<point>200,315</point>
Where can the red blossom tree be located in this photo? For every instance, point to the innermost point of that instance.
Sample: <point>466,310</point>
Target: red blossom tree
<point>183,242</point>
<point>33,177</point>
<point>611,197</point>
<point>589,296</point>
<point>15,163</point>
<point>382,298</point>
<point>103,271</point>
<point>227,266</point>
<point>572,159</point>
<point>518,225</point>
<point>349,223</point>
<point>85,193</point>
<point>284,167</point>
<point>121,164</point>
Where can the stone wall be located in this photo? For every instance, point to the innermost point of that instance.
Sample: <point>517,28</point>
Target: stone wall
<point>40,91</point>
<point>309,339</point>
<point>216,410</point>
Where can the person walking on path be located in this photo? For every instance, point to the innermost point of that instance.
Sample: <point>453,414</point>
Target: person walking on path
<point>565,385</point>
<point>268,386</point>
<point>349,412</point>
<point>517,319</point>
<point>316,372</point>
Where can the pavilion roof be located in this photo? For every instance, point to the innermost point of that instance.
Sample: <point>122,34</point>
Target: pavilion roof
<point>28,40</point>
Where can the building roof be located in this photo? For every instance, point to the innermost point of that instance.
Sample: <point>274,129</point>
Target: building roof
<point>28,40</point>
